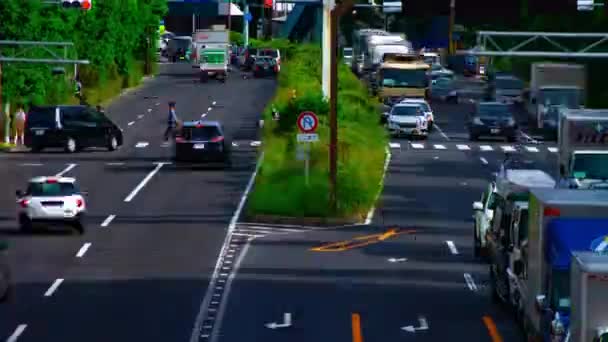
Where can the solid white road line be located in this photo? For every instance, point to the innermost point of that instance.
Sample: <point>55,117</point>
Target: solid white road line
<point>108,220</point>
<point>552,149</point>
<point>470,282</point>
<point>83,250</point>
<point>53,287</point>
<point>439,147</point>
<point>200,317</point>
<point>463,147</point>
<point>441,132</point>
<point>31,164</point>
<point>417,146</point>
<point>15,335</point>
<point>452,247</point>
<point>531,149</point>
<point>394,145</point>
<point>486,148</point>
<point>508,148</point>
<point>143,182</point>
<point>141,144</point>
<point>370,213</point>
<point>115,164</point>
<point>484,161</point>
<point>131,123</point>
<point>66,170</point>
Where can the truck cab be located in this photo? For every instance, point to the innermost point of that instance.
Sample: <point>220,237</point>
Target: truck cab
<point>400,76</point>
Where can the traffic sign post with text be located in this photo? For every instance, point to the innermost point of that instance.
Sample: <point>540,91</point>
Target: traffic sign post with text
<point>307,124</point>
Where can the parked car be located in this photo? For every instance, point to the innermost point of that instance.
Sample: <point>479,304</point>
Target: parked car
<point>443,89</point>
<point>272,53</point>
<point>202,142</point>
<point>179,48</point>
<point>493,119</point>
<point>247,58</point>
<point>51,201</point>
<point>265,66</point>
<point>72,127</point>
<point>6,282</point>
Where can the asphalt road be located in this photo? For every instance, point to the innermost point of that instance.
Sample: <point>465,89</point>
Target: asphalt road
<point>372,288</point>
<point>142,269</point>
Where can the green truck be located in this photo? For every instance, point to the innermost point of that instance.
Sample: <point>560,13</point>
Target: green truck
<point>211,53</point>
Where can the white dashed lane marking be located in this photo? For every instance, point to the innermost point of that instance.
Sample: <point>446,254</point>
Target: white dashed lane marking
<point>417,146</point>
<point>452,247</point>
<point>108,220</point>
<point>552,149</point>
<point>439,147</point>
<point>83,250</point>
<point>141,116</point>
<point>144,181</point>
<point>508,148</point>
<point>486,148</point>
<point>53,287</point>
<point>66,170</point>
<point>484,161</point>
<point>394,145</point>
<point>531,149</point>
<point>17,333</point>
<point>131,123</point>
<point>463,147</point>
<point>470,282</point>
<point>142,144</point>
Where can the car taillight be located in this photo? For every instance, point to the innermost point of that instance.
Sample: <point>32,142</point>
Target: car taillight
<point>257,67</point>
<point>551,211</point>
<point>179,139</point>
<point>276,68</point>
<point>51,181</point>
<point>217,139</point>
<point>79,203</point>
<point>24,203</point>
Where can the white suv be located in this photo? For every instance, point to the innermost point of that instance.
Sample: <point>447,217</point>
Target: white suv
<point>51,200</point>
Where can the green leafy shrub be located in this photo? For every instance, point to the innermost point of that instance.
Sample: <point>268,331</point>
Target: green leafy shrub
<point>280,187</point>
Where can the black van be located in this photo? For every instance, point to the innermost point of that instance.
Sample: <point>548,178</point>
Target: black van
<point>71,127</point>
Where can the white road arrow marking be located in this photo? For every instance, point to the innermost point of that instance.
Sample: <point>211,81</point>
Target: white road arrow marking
<point>397,259</point>
<point>424,325</point>
<point>286,322</point>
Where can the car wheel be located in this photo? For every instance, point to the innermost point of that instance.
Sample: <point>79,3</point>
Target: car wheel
<point>70,145</point>
<point>204,77</point>
<point>79,227</point>
<point>112,143</point>
<point>25,224</point>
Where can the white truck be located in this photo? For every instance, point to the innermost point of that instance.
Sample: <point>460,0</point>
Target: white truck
<point>211,53</point>
<point>558,218</point>
<point>551,85</point>
<point>360,46</point>
<point>583,148</point>
<point>378,46</point>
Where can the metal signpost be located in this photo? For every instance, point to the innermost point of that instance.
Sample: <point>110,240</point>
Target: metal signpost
<point>307,124</point>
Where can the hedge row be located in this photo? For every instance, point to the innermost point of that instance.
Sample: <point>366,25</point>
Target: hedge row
<point>280,187</point>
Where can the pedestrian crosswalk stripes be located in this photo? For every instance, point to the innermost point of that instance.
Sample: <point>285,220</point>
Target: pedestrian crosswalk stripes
<point>473,147</point>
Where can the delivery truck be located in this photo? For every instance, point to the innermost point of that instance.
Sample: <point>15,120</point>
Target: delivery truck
<point>553,85</point>
<point>530,268</point>
<point>211,53</point>
<point>583,149</point>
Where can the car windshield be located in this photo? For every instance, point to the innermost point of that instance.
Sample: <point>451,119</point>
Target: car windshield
<point>566,97</point>
<point>347,53</point>
<point>41,117</point>
<point>265,60</point>
<point>509,83</point>
<point>591,166</point>
<point>39,189</point>
<point>202,133</point>
<point>269,53</point>
<point>494,110</point>
<point>436,67</point>
<point>443,82</point>
<point>406,111</point>
<point>404,78</point>
<point>181,43</point>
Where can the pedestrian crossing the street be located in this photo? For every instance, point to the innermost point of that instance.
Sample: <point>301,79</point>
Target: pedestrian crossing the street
<point>472,147</point>
<point>258,230</point>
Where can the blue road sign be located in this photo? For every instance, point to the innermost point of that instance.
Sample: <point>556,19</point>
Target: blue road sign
<point>248,17</point>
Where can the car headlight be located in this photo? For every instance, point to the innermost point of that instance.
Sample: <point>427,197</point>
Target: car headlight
<point>430,117</point>
<point>477,121</point>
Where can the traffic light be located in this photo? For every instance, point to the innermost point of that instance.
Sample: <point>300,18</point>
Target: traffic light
<point>82,4</point>
<point>267,3</point>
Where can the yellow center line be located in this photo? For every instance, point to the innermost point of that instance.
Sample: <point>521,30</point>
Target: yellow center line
<point>360,241</point>
<point>356,324</point>
<point>489,322</point>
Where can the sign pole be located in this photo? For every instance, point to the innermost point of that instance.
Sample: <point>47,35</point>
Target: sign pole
<point>307,167</point>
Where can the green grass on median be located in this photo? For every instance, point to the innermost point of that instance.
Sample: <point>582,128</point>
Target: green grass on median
<point>280,187</point>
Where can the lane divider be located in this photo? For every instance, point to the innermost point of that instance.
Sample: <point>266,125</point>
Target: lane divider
<point>17,333</point>
<point>108,220</point>
<point>356,326</point>
<point>66,170</point>
<point>492,330</point>
<point>83,250</point>
<point>360,241</point>
<point>53,287</point>
<point>452,247</point>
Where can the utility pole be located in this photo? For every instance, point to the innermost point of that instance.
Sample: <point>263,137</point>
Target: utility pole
<point>246,24</point>
<point>451,47</point>
<point>229,16</point>
<point>148,62</point>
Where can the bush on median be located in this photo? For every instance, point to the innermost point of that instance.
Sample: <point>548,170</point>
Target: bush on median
<point>280,187</point>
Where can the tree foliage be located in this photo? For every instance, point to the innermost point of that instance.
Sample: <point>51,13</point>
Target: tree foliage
<point>112,36</point>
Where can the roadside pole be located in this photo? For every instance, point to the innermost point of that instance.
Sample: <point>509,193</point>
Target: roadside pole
<point>229,16</point>
<point>246,20</point>
<point>451,47</point>
<point>307,124</point>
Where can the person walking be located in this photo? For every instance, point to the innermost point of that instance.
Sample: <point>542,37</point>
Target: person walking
<point>172,121</point>
<point>20,117</point>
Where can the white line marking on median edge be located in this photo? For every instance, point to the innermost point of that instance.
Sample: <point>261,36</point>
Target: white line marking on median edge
<point>143,182</point>
<point>552,149</point>
<point>463,147</point>
<point>470,282</point>
<point>115,164</point>
<point>439,147</point>
<point>200,318</point>
<point>108,220</point>
<point>531,149</point>
<point>441,132</point>
<point>66,170</point>
<point>131,123</point>
<point>53,287</point>
<point>83,250</point>
<point>452,247</point>
<point>484,161</point>
<point>486,148</point>
<point>141,144</point>
<point>417,146</point>
<point>15,335</point>
<point>370,213</point>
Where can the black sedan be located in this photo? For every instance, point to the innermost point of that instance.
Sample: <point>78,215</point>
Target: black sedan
<point>492,119</point>
<point>202,142</point>
<point>265,66</point>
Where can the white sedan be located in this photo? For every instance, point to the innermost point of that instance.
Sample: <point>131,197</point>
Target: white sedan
<point>426,109</point>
